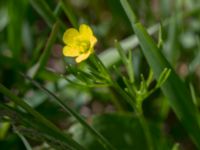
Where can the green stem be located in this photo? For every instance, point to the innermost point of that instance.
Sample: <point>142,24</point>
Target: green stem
<point>144,124</point>
<point>100,66</point>
<point>115,100</point>
<point>123,94</point>
<point>102,69</point>
<point>136,106</point>
<point>146,130</point>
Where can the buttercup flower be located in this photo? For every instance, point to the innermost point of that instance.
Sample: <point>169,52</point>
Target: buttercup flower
<point>79,44</point>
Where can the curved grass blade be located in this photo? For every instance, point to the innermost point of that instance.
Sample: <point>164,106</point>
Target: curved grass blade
<point>95,133</point>
<point>28,126</point>
<point>69,13</point>
<point>24,140</point>
<point>43,9</point>
<point>57,133</point>
<point>132,41</point>
<point>45,55</point>
<point>174,88</point>
<point>47,14</point>
<point>16,15</point>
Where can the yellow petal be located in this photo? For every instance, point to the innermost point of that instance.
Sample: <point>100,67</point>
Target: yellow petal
<point>71,51</point>
<point>82,57</point>
<point>69,35</point>
<point>93,41</point>
<point>85,30</point>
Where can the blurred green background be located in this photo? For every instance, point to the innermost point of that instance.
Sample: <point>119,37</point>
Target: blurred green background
<point>25,27</point>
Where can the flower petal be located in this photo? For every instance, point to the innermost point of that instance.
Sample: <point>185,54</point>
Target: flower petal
<point>83,56</point>
<point>93,41</point>
<point>71,51</point>
<point>85,30</point>
<point>69,35</point>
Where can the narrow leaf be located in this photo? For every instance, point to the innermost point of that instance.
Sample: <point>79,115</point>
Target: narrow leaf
<point>96,134</point>
<point>39,117</point>
<point>69,13</point>
<point>45,55</point>
<point>174,88</point>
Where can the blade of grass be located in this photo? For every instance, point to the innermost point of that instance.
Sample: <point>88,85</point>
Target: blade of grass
<point>69,13</point>
<point>95,133</point>
<point>58,9</point>
<point>174,89</point>
<point>42,41</point>
<point>128,43</point>
<point>36,53</point>
<point>43,9</point>
<point>28,126</point>
<point>16,14</point>
<point>47,14</point>
<point>26,144</point>
<point>126,60</point>
<point>57,133</point>
<point>192,91</point>
<point>45,55</point>
<point>132,41</point>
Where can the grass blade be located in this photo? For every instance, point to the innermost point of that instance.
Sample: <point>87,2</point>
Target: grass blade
<point>26,144</point>
<point>96,134</point>
<point>43,9</point>
<point>16,14</point>
<point>132,41</point>
<point>29,127</point>
<point>47,14</point>
<point>69,13</point>
<point>57,133</point>
<point>45,55</point>
<point>174,89</point>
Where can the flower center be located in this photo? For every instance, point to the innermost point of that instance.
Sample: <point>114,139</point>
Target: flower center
<point>85,46</point>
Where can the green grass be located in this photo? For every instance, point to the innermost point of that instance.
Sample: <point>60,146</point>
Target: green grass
<point>139,90</point>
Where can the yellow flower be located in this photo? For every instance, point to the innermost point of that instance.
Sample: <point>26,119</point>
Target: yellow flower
<point>79,44</point>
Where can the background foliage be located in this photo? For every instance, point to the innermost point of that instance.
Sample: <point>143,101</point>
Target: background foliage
<point>31,44</point>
